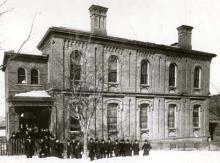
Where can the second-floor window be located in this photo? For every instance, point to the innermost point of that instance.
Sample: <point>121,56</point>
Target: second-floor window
<point>171,116</point>
<point>143,116</point>
<point>112,69</point>
<point>197,77</point>
<point>172,75</point>
<point>75,65</point>
<point>112,117</point>
<point>34,76</point>
<point>144,72</point>
<point>21,76</point>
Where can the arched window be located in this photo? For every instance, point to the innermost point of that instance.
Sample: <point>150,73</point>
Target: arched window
<point>75,65</point>
<point>112,69</point>
<point>172,75</point>
<point>143,116</point>
<point>197,77</point>
<point>144,72</point>
<point>171,116</point>
<point>34,76</point>
<point>112,117</point>
<point>196,109</point>
<point>21,76</point>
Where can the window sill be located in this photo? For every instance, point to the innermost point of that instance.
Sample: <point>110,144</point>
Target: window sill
<point>172,88</point>
<point>196,128</point>
<point>113,131</point>
<point>144,86</point>
<point>197,89</point>
<point>112,84</point>
<point>143,130</point>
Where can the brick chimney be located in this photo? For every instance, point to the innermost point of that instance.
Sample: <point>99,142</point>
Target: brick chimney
<point>184,37</point>
<point>98,19</point>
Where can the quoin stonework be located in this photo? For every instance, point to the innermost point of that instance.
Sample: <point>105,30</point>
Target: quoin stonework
<point>148,91</point>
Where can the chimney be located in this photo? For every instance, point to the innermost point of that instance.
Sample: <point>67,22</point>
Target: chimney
<point>184,37</point>
<point>98,19</point>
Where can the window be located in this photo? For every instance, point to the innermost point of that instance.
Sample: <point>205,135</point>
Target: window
<point>172,75</point>
<point>112,117</point>
<point>75,65</point>
<point>144,72</point>
<point>143,116</point>
<point>196,109</point>
<point>21,76</point>
<point>171,116</point>
<point>74,124</point>
<point>34,76</point>
<point>197,77</point>
<point>112,69</point>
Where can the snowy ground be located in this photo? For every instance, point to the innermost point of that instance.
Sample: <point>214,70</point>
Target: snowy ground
<point>154,157</point>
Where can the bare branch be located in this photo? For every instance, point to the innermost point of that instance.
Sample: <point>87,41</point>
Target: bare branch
<point>21,46</point>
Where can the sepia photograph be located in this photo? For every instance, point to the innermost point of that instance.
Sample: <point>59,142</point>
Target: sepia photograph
<point>107,81</point>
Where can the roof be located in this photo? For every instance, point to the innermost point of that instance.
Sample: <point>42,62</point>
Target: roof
<point>67,32</point>
<point>22,56</point>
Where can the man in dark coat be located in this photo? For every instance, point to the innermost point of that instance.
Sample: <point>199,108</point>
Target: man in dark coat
<point>146,147</point>
<point>91,148</point>
<point>97,148</point>
<point>116,148</point>
<point>59,149</point>
<point>128,148</point>
<point>102,149</point>
<point>109,148</point>
<point>43,150</point>
<point>29,147</point>
<point>122,147</point>
<point>73,149</point>
<point>68,148</point>
<point>135,148</point>
<point>79,149</point>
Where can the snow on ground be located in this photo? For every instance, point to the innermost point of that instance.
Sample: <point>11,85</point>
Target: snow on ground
<point>41,93</point>
<point>154,157</point>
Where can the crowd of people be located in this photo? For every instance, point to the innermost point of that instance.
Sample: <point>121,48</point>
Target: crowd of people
<point>42,143</point>
<point>102,149</point>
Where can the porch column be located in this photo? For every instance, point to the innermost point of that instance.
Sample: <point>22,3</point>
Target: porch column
<point>13,121</point>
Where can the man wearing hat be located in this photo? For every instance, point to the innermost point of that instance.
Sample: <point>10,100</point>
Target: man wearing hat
<point>97,148</point>
<point>102,149</point>
<point>109,148</point>
<point>135,148</point>
<point>91,148</point>
<point>29,147</point>
<point>116,148</point>
<point>146,147</point>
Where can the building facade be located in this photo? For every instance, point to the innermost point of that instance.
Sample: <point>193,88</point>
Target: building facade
<point>148,91</point>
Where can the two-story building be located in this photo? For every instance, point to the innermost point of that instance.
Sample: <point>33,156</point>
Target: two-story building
<point>149,91</point>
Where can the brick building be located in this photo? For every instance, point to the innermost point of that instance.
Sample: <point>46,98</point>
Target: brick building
<point>148,90</point>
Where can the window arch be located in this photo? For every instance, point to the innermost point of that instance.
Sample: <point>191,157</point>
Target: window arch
<point>171,116</point>
<point>144,116</point>
<point>196,109</point>
<point>197,77</point>
<point>21,76</point>
<point>75,65</point>
<point>172,75</point>
<point>112,117</point>
<point>112,69</point>
<point>34,76</point>
<point>144,72</point>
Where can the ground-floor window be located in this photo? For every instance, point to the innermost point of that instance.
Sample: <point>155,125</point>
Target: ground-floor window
<point>196,109</point>
<point>112,117</point>
<point>171,116</point>
<point>143,116</point>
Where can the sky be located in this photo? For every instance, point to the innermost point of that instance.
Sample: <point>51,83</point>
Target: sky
<point>145,20</point>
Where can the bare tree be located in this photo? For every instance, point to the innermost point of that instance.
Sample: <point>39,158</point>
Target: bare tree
<point>14,54</point>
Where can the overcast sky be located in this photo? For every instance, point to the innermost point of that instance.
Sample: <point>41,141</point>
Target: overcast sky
<point>145,20</point>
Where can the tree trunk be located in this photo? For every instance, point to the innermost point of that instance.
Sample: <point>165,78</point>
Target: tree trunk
<point>85,138</point>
